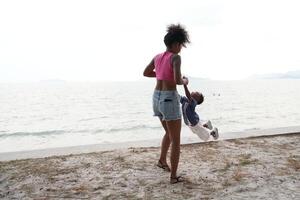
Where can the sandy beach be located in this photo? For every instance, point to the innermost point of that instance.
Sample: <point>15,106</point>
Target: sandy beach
<point>264,167</point>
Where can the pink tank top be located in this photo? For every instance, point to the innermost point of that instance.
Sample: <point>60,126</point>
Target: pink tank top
<point>163,66</point>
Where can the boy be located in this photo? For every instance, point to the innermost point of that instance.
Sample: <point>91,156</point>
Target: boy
<point>191,118</point>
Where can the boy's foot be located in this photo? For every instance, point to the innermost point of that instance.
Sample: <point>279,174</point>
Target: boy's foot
<point>215,133</point>
<point>208,125</point>
<point>177,179</point>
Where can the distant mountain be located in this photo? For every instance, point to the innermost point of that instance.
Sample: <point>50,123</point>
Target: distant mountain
<point>287,75</point>
<point>53,81</point>
<point>197,78</point>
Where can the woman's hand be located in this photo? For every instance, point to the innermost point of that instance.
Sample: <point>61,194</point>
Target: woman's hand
<point>185,80</point>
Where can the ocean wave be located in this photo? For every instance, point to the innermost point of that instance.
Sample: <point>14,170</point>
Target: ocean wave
<point>137,127</point>
<point>93,118</point>
<point>93,131</point>
<point>233,121</point>
<point>39,133</point>
<point>252,129</point>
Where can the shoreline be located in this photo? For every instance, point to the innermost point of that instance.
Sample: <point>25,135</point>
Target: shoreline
<point>59,151</point>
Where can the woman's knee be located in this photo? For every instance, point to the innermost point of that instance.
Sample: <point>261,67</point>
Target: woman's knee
<point>167,136</point>
<point>173,139</point>
<point>175,144</point>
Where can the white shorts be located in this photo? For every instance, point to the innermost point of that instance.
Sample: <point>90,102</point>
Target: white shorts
<point>202,132</point>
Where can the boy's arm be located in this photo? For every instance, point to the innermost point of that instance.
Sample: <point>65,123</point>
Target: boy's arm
<point>187,92</point>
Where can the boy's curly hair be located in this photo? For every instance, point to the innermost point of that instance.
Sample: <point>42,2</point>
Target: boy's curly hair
<point>201,99</point>
<point>176,33</point>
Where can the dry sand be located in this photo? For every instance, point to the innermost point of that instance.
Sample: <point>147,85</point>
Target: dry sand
<point>252,168</point>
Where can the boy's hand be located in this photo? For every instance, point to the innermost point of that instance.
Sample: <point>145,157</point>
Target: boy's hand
<point>185,80</point>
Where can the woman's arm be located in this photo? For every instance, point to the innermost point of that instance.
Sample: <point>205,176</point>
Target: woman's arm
<point>176,61</point>
<point>149,70</point>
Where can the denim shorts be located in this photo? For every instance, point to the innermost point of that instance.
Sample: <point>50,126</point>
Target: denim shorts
<point>166,105</point>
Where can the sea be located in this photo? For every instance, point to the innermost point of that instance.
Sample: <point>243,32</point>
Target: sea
<point>54,114</point>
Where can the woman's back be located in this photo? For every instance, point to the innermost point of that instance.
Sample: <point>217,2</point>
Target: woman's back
<point>164,71</point>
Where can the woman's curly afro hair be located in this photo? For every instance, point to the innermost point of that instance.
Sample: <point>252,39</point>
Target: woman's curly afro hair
<point>176,33</point>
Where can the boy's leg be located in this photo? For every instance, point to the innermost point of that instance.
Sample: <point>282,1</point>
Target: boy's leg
<point>215,133</point>
<point>208,125</point>
<point>202,132</point>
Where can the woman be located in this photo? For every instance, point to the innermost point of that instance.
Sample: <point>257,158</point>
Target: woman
<point>166,68</point>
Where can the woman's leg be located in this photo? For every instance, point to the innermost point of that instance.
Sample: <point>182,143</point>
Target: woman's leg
<point>165,144</point>
<point>174,128</point>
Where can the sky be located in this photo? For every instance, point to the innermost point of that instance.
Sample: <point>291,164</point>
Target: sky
<point>115,40</point>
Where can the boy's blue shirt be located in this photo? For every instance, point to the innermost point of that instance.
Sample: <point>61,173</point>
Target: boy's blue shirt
<point>190,116</point>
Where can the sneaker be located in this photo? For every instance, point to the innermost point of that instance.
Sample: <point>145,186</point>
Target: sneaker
<point>215,133</point>
<point>208,125</point>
